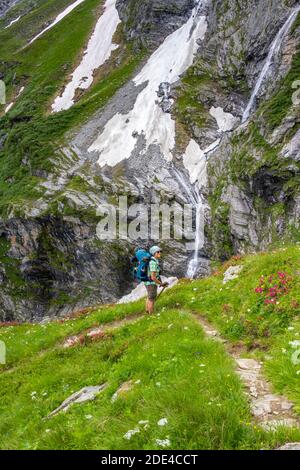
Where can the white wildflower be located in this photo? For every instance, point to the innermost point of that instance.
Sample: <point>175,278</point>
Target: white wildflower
<point>131,433</point>
<point>163,442</point>
<point>162,422</point>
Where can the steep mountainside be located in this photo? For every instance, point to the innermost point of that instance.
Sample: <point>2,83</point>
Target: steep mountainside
<point>179,101</point>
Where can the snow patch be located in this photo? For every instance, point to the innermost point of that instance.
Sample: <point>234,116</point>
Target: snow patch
<point>60,17</point>
<point>21,91</point>
<point>13,22</point>
<point>8,108</point>
<point>147,118</point>
<point>98,52</point>
<point>225,121</point>
<point>212,146</point>
<point>140,291</point>
<point>195,162</point>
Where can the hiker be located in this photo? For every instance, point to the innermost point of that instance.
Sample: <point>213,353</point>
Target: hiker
<point>154,281</point>
<point>145,268</point>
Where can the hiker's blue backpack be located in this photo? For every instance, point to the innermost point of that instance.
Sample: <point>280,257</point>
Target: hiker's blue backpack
<point>141,262</point>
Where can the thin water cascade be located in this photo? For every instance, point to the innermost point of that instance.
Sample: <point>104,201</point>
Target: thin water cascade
<point>199,241</point>
<point>274,50</point>
<point>195,198</point>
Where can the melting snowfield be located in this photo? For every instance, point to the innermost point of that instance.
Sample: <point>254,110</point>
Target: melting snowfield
<point>60,17</point>
<point>147,118</point>
<point>98,51</point>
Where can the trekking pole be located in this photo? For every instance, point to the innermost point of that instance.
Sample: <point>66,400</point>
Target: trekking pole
<point>163,289</point>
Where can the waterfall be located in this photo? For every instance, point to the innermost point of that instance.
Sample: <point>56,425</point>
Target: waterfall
<point>199,240</point>
<point>195,198</point>
<point>274,50</point>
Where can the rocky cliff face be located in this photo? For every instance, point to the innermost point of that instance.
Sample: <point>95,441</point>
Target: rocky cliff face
<point>152,23</point>
<point>254,174</point>
<point>51,258</point>
<point>5,5</point>
<point>53,265</point>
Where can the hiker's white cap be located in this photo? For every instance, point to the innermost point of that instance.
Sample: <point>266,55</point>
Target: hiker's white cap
<point>154,249</point>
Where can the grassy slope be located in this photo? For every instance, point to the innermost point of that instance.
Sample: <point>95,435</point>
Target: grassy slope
<point>205,406</point>
<point>31,133</point>
<point>242,316</point>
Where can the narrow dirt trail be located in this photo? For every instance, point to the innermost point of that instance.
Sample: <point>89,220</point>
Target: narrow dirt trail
<point>97,332</point>
<point>94,333</point>
<point>268,409</point>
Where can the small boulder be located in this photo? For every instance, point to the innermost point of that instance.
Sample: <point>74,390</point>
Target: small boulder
<point>290,446</point>
<point>85,394</point>
<point>232,273</point>
<point>123,390</point>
